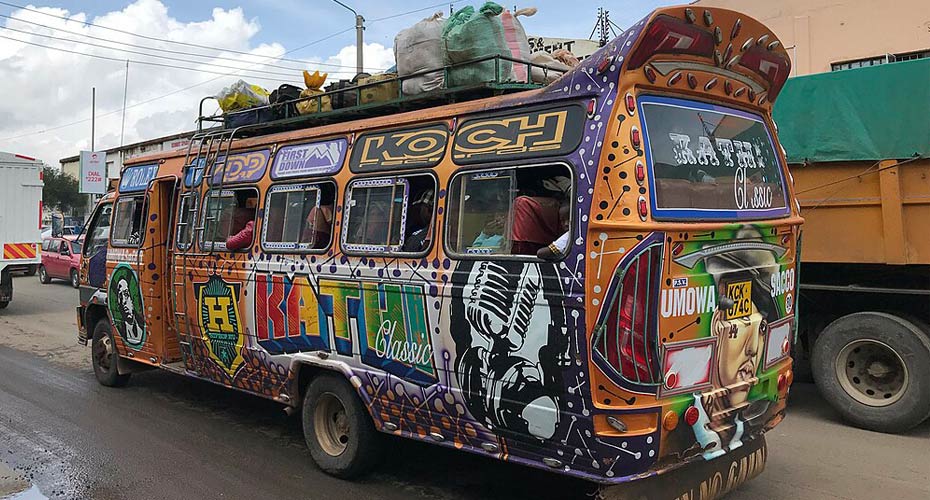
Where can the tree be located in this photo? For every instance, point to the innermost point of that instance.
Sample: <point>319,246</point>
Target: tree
<point>61,191</point>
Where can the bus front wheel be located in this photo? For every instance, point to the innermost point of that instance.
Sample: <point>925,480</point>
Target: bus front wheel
<point>103,357</point>
<point>874,369</point>
<point>338,429</point>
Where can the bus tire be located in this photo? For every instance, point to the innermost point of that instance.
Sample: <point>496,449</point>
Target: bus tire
<point>4,303</point>
<point>874,369</point>
<point>338,429</point>
<point>43,276</point>
<point>103,357</point>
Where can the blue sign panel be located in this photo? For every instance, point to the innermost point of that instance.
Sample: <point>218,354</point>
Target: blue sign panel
<point>137,177</point>
<point>313,158</point>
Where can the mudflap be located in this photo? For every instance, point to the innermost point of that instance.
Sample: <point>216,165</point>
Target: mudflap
<point>697,481</point>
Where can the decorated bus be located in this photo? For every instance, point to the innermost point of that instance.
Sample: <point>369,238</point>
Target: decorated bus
<point>595,277</point>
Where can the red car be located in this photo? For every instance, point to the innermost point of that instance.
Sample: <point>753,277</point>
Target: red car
<point>61,258</point>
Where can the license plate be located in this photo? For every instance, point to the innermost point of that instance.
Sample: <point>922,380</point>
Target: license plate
<point>741,293</point>
<point>707,480</point>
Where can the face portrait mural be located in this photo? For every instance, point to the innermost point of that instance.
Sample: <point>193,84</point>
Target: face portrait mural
<point>508,324</point>
<point>124,300</point>
<point>740,326</point>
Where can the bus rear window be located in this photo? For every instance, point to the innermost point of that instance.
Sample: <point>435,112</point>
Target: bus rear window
<point>710,162</point>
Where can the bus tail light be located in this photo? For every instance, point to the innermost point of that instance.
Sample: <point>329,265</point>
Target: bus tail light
<point>771,66</point>
<point>692,414</point>
<point>635,138</point>
<point>640,173</point>
<point>643,209</point>
<point>627,340</point>
<point>667,35</point>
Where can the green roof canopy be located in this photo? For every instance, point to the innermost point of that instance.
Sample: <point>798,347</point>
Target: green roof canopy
<point>872,113</point>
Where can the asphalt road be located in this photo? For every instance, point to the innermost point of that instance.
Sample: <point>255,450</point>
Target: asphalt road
<point>165,436</point>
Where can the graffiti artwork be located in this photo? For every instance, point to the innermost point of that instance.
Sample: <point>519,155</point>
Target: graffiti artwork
<point>509,328</point>
<point>314,158</point>
<point>526,135</point>
<point>407,148</point>
<point>241,167</point>
<point>386,321</point>
<point>137,177</point>
<point>124,300</point>
<point>220,322</point>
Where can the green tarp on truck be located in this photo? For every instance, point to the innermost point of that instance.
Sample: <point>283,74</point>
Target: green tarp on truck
<point>873,113</point>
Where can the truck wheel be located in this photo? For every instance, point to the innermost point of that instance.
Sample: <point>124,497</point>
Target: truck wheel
<point>874,369</point>
<point>4,303</point>
<point>43,276</point>
<point>338,429</point>
<point>75,281</point>
<point>104,357</point>
<point>32,270</point>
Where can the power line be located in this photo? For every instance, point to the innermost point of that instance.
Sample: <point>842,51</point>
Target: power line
<point>294,75</point>
<point>147,37</point>
<point>443,4</point>
<point>169,94</point>
<point>159,49</point>
<point>147,63</point>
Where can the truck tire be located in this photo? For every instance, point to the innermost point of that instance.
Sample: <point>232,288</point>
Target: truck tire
<point>4,303</point>
<point>103,356</point>
<point>32,270</point>
<point>338,429</point>
<point>874,369</point>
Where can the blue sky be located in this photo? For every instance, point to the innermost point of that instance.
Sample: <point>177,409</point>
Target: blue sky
<point>294,22</point>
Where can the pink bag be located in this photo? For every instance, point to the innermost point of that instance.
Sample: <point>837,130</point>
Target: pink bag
<point>516,40</point>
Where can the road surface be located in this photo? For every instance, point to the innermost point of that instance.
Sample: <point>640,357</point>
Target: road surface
<point>165,436</point>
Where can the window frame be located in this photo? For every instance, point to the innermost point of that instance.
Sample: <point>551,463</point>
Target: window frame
<point>212,246</point>
<point>704,215</point>
<point>297,186</point>
<point>114,216</point>
<point>92,225</point>
<point>391,250</point>
<point>473,169</point>
<point>195,195</point>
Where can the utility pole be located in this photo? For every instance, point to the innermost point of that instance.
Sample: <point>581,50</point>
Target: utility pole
<point>93,124</point>
<point>359,37</point>
<point>122,125</point>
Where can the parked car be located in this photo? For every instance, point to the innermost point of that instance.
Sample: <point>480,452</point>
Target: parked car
<point>61,258</point>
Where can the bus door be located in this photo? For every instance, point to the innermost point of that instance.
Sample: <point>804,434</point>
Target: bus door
<point>152,266</point>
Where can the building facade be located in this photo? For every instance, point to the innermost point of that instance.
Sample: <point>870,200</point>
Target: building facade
<point>830,35</point>
<point>116,156</point>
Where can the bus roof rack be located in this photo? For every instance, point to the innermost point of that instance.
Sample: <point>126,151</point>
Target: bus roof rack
<point>259,122</point>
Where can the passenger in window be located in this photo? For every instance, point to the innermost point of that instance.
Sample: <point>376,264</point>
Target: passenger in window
<point>558,249</point>
<point>491,235</point>
<point>319,221</point>
<point>536,215</point>
<point>242,223</point>
<point>420,226</point>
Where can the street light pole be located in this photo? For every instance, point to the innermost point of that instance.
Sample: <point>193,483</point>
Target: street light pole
<point>359,37</point>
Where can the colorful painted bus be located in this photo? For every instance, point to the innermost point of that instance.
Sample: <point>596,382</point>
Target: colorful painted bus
<point>596,277</point>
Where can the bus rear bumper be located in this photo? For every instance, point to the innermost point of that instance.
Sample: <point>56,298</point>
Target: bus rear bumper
<point>705,480</point>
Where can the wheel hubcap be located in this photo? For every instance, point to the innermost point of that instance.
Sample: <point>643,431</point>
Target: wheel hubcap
<point>871,372</point>
<point>103,352</point>
<point>331,425</point>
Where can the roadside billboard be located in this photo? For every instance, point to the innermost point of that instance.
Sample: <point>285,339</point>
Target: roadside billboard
<point>93,172</point>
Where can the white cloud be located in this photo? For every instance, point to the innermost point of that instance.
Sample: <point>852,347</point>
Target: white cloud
<point>42,88</point>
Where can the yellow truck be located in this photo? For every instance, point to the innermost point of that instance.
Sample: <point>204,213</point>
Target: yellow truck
<point>858,146</point>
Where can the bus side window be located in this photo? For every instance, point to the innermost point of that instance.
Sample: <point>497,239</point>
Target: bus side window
<point>186,220</point>
<point>229,219</point>
<point>392,214</point>
<point>299,217</point>
<point>128,222</point>
<point>516,211</point>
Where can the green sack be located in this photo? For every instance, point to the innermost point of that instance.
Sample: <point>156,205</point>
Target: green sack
<point>470,35</point>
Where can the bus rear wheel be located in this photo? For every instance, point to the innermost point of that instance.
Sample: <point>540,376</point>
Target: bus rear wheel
<point>338,429</point>
<point>874,369</point>
<point>103,357</point>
